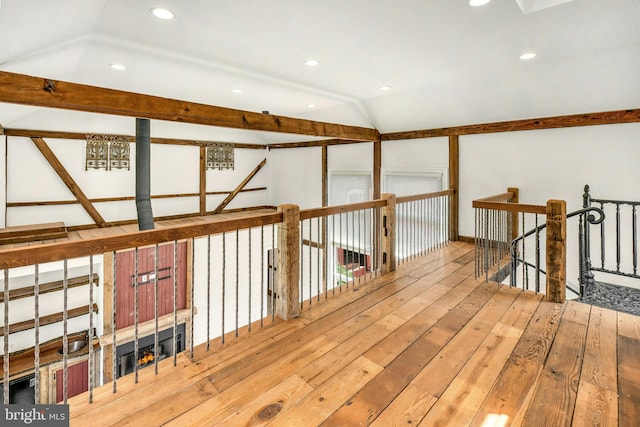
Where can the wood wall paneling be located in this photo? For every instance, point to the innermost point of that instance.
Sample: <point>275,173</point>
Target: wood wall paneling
<point>125,272</point>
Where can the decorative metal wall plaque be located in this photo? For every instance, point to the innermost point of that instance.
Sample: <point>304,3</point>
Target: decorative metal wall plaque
<point>107,152</point>
<point>219,156</point>
<point>97,156</point>
<point>119,153</point>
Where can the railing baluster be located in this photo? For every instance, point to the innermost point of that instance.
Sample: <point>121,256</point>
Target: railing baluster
<point>193,304</point>
<point>525,275</point>
<point>237,279</point>
<point>635,240</point>
<point>156,257</point>
<point>249,278</point>
<point>224,277</point>
<point>36,327</point>
<point>135,316</point>
<point>175,302</point>
<point>262,275</point>
<point>618,237</point>
<point>114,303</point>
<point>273,273</point>
<point>301,266</point>
<point>209,292</point>
<point>65,336</point>
<point>89,339</point>
<point>602,241</point>
<point>310,263</point>
<point>5,356</point>
<point>537,256</point>
<point>320,243</point>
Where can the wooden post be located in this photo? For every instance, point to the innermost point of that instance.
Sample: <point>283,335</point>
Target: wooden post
<point>287,291</point>
<point>515,231</point>
<point>556,250</point>
<point>454,176</point>
<point>388,234</point>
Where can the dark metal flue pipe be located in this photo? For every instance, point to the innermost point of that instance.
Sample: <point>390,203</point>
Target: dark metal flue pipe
<point>143,174</point>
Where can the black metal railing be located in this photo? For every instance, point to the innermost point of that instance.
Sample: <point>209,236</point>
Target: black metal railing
<point>622,215</point>
<point>585,218</point>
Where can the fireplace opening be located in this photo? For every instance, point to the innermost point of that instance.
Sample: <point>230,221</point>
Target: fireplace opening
<point>127,360</point>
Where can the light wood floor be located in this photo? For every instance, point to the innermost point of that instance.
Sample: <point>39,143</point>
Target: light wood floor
<point>427,345</point>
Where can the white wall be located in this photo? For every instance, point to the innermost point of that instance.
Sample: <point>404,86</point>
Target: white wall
<point>174,170</point>
<point>550,164</point>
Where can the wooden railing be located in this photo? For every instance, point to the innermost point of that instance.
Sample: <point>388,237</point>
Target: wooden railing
<point>216,279</point>
<point>497,219</point>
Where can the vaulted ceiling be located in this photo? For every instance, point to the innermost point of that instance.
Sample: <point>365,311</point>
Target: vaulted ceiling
<point>446,63</point>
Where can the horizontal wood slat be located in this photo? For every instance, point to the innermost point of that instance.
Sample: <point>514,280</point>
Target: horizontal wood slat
<point>333,210</point>
<point>50,319</point>
<point>38,91</point>
<point>36,133</point>
<point>45,288</point>
<point>126,198</point>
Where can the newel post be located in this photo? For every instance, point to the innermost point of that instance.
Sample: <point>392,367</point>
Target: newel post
<point>287,291</point>
<point>515,230</point>
<point>388,234</point>
<point>556,250</point>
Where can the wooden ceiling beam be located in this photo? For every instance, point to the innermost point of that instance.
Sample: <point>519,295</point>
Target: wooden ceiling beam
<point>318,143</point>
<point>574,120</point>
<point>42,92</point>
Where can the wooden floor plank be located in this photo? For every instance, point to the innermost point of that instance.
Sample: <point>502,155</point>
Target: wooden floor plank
<point>561,372</point>
<point>375,396</point>
<point>268,405</point>
<point>595,403</point>
<point>628,381</point>
<point>509,398</point>
<point>190,407</point>
<point>326,398</point>
<point>468,388</point>
<point>389,348</point>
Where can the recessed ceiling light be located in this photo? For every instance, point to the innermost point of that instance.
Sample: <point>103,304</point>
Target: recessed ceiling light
<point>476,3</point>
<point>311,105</point>
<point>119,67</point>
<point>385,87</point>
<point>311,63</point>
<point>236,90</point>
<point>528,55</point>
<point>161,13</point>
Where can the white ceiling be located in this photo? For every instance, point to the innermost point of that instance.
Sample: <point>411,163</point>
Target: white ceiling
<point>447,63</point>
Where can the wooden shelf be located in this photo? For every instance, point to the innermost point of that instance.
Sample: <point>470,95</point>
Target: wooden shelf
<point>48,287</point>
<point>30,233</point>
<point>50,319</point>
<point>22,362</point>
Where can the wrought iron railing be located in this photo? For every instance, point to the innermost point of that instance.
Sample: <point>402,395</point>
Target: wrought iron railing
<point>621,215</point>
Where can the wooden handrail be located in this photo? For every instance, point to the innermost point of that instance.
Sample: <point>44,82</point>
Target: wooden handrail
<point>19,257</point>
<point>496,202</point>
<point>426,196</point>
<point>333,210</point>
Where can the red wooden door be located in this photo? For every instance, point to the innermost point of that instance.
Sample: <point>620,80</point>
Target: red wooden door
<point>125,278</point>
<point>77,380</point>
